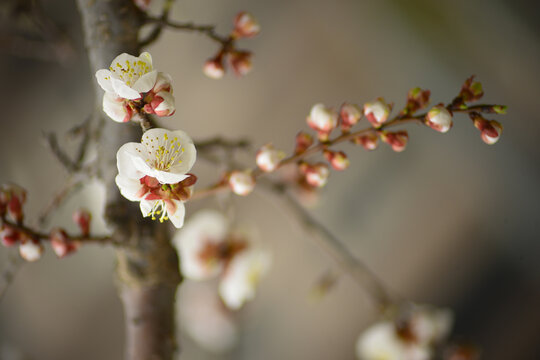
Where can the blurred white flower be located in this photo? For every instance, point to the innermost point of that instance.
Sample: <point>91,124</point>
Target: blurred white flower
<point>268,158</point>
<point>205,229</point>
<point>31,250</point>
<point>377,112</point>
<point>241,182</point>
<point>242,277</point>
<point>322,119</point>
<point>204,318</point>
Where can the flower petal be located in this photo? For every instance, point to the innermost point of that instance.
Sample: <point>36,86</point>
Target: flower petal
<point>115,108</point>
<point>129,188</point>
<point>103,78</point>
<point>166,177</point>
<point>177,217</point>
<point>146,82</point>
<point>123,90</point>
<point>125,160</point>
<point>147,58</point>
<point>147,206</point>
<point>188,157</point>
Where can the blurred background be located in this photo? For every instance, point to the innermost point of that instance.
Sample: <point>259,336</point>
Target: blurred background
<point>450,221</point>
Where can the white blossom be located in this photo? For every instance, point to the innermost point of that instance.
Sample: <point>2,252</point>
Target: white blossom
<point>241,182</point>
<point>117,108</point>
<point>439,119</point>
<point>30,250</point>
<point>128,76</point>
<point>377,112</point>
<point>268,158</point>
<point>242,277</point>
<point>322,118</point>
<point>205,228</point>
<point>381,342</point>
<point>162,158</point>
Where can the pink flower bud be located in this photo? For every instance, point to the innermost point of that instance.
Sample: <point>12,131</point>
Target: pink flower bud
<point>303,142</point>
<point>9,236</point>
<point>213,68</point>
<point>117,108</point>
<point>245,25</point>
<point>377,112</point>
<point>439,119</point>
<point>82,218</point>
<point>163,83</point>
<point>241,182</point>
<point>240,62</point>
<point>61,244</point>
<point>338,160</point>
<point>31,249</point>
<point>350,115</point>
<point>416,99</point>
<point>163,104</point>
<point>316,175</point>
<point>369,141</point>
<point>12,199</point>
<point>397,140</point>
<point>322,119</point>
<point>491,132</point>
<point>269,158</point>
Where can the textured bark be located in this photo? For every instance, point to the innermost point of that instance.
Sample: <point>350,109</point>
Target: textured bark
<point>147,263</point>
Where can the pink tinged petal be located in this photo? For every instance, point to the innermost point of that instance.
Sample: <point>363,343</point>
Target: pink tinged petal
<point>131,189</point>
<point>125,163</point>
<point>165,177</point>
<point>103,78</point>
<point>163,104</point>
<point>147,206</point>
<point>116,108</point>
<point>146,82</point>
<point>163,83</point>
<point>179,211</point>
<point>124,91</point>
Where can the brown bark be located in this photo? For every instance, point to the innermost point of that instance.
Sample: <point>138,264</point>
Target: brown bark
<point>147,263</point>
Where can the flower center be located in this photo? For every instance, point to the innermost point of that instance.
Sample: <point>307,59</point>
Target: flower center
<point>130,72</point>
<point>164,152</point>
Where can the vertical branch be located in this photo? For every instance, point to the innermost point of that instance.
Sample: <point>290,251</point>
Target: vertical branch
<point>147,263</point>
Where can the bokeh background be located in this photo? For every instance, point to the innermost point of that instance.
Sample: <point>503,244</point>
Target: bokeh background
<point>450,221</point>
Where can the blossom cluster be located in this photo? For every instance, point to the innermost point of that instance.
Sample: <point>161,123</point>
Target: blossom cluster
<point>245,26</point>
<point>133,88</point>
<point>14,232</point>
<point>413,335</point>
<point>210,247</point>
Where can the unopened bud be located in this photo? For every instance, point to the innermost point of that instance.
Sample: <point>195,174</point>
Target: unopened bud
<point>9,236</point>
<point>322,119</point>
<point>471,90</point>
<point>240,62</point>
<point>500,109</point>
<point>377,112</point>
<point>350,115</point>
<point>491,132</point>
<point>82,218</point>
<point>213,68</point>
<point>245,25</point>
<point>241,182</point>
<point>268,158</point>
<point>338,160</point>
<point>31,249</point>
<point>397,140</point>
<point>416,99</point>
<point>369,141</point>
<point>61,244</point>
<point>439,119</point>
<point>316,175</point>
<point>118,109</point>
<point>12,199</point>
<point>303,142</point>
<point>163,104</point>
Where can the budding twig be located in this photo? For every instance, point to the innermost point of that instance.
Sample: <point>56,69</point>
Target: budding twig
<point>396,121</point>
<point>156,32</point>
<point>70,187</point>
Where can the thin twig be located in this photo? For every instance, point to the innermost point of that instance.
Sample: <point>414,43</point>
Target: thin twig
<point>58,152</point>
<point>207,30</point>
<point>12,266</point>
<point>328,242</point>
<point>158,28</point>
<point>70,187</point>
<point>219,142</point>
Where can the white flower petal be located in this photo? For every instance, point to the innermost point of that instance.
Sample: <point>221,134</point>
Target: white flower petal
<point>123,90</point>
<point>147,58</point>
<point>146,82</point>
<point>103,78</point>
<point>125,160</point>
<point>166,177</point>
<point>115,108</point>
<point>178,217</point>
<point>129,188</point>
<point>147,206</point>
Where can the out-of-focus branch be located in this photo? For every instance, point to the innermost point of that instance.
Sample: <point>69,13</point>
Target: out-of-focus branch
<point>9,270</point>
<point>158,28</point>
<point>207,30</point>
<point>330,244</point>
<point>71,186</point>
<point>220,143</point>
